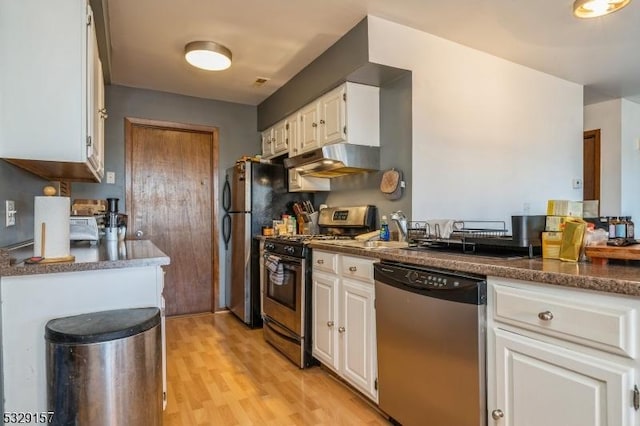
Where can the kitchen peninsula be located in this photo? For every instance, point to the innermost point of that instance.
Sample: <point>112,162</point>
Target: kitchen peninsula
<point>127,274</point>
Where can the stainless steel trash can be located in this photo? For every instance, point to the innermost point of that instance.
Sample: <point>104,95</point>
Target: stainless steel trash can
<point>105,368</point>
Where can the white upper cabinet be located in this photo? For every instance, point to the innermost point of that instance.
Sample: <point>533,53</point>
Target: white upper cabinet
<point>50,110</point>
<point>349,113</point>
<point>275,140</point>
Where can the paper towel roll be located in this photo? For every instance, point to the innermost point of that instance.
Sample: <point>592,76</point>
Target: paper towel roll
<point>54,213</point>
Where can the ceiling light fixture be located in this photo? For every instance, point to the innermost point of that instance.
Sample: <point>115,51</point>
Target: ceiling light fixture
<point>207,55</point>
<point>595,8</point>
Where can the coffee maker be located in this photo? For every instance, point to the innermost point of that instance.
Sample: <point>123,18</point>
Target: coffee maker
<point>111,220</point>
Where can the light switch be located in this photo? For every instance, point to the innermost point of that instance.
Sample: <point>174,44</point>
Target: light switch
<point>10,208</point>
<point>111,177</point>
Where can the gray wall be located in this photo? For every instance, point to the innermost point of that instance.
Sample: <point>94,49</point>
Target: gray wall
<point>395,151</point>
<point>325,72</point>
<point>21,187</point>
<point>236,122</point>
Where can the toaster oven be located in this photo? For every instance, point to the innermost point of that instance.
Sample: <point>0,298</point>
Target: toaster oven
<point>83,228</point>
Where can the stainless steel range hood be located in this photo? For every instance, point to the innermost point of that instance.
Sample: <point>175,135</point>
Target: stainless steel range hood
<point>336,160</point>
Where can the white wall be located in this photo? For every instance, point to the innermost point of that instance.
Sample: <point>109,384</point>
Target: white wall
<point>606,116</point>
<point>630,150</point>
<point>488,135</point>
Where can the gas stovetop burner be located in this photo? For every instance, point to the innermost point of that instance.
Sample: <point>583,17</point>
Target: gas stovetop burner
<point>306,238</point>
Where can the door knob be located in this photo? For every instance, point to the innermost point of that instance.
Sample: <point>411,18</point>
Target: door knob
<point>139,233</point>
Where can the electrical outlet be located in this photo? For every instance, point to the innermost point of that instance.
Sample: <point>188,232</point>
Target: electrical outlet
<point>577,183</point>
<point>111,177</point>
<point>10,209</point>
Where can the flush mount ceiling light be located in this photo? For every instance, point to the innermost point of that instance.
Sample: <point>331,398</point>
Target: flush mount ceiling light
<point>595,8</point>
<point>207,55</point>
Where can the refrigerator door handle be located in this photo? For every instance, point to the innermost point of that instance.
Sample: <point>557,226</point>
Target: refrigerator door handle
<point>226,230</point>
<point>226,195</point>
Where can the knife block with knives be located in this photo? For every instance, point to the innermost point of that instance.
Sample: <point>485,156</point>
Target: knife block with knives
<point>307,217</point>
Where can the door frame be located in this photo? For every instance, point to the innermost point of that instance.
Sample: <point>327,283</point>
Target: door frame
<point>130,123</point>
<point>595,134</point>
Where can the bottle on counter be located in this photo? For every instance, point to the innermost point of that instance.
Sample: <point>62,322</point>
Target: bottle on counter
<point>630,228</point>
<point>621,227</point>
<point>613,221</point>
<point>384,229</point>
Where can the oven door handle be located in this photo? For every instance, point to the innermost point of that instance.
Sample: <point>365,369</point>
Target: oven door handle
<point>268,321</point>
<point>285,259</point>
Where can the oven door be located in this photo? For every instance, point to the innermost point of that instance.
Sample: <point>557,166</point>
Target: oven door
<point>283,303</point>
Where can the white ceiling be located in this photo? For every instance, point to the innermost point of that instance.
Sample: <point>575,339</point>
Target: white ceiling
<point>277,38</point>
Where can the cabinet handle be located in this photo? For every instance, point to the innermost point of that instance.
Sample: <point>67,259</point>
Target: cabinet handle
<point>329,323</point>
<point>341,330</point>
<point>545,316</point>
<point>321,121</point>
<point>353,268</point>
<point>497,414</point>
<point>320,261</point>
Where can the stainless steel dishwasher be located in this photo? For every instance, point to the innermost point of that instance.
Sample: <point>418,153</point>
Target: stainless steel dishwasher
<point>430,327</point>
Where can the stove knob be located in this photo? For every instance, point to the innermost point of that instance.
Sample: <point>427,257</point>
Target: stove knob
<point>412,276</point>
<point>289,249</point>
<point>269,246</point>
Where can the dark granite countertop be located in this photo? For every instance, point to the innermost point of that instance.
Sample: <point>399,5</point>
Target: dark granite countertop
<point>106,255</point>
<point>613,278</point>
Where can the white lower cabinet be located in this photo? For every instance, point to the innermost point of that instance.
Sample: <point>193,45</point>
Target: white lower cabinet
<point>547,361</point>
<point>344,319</point>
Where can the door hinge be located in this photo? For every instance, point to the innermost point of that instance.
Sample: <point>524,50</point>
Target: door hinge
<point>89,142</point>
<point>636,397</point>
<point>375,384</point>
<point>286,126</point>
<point>344,130</point>
<point>88,20</point>
<point>344,97</point>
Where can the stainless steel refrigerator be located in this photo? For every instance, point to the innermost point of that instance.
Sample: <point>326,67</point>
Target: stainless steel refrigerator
<point>253,195</point>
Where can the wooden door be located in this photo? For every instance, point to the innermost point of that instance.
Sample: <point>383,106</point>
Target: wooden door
<point>591,165</point>
<point>172,201</point>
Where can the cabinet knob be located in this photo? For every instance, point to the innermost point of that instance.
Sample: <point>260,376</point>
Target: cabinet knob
<point>341,330</point>
<point>545,316</point>
<point>321,121</point>
<point>319,261</point>
<point>329,323</point>
<point>353,268</point>
<point>497,414</point>
<point>139,234</point>
<point>314,124</point>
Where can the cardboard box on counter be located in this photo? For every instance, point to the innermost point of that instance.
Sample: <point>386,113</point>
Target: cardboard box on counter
<point>564,208</point>
<point>551,242</point>
<point>590,208</point>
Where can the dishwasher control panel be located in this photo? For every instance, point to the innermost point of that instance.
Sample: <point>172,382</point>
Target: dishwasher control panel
<point>443,284</point>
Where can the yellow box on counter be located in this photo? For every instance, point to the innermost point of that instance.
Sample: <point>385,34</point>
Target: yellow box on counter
<point>555,223</point>
<point>590,208</point>
<point>564,208</point>
<point>551,242</point>
<point>572,237</point>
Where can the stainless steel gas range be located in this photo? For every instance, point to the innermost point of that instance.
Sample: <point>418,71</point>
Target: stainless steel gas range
<point>287,279</point>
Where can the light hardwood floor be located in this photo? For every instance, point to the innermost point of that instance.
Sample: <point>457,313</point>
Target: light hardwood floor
<point>219,372</point>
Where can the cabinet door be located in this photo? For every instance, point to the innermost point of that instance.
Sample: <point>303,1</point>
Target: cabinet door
<point>357,334</point>
<point>267,143</point>
<point>95,103</point>
<point>292,128</point>
<point>332,117</point>
<point>538,383</point>
<point>280,138</point>
<point>308,132</point>
<point>325,319</point>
